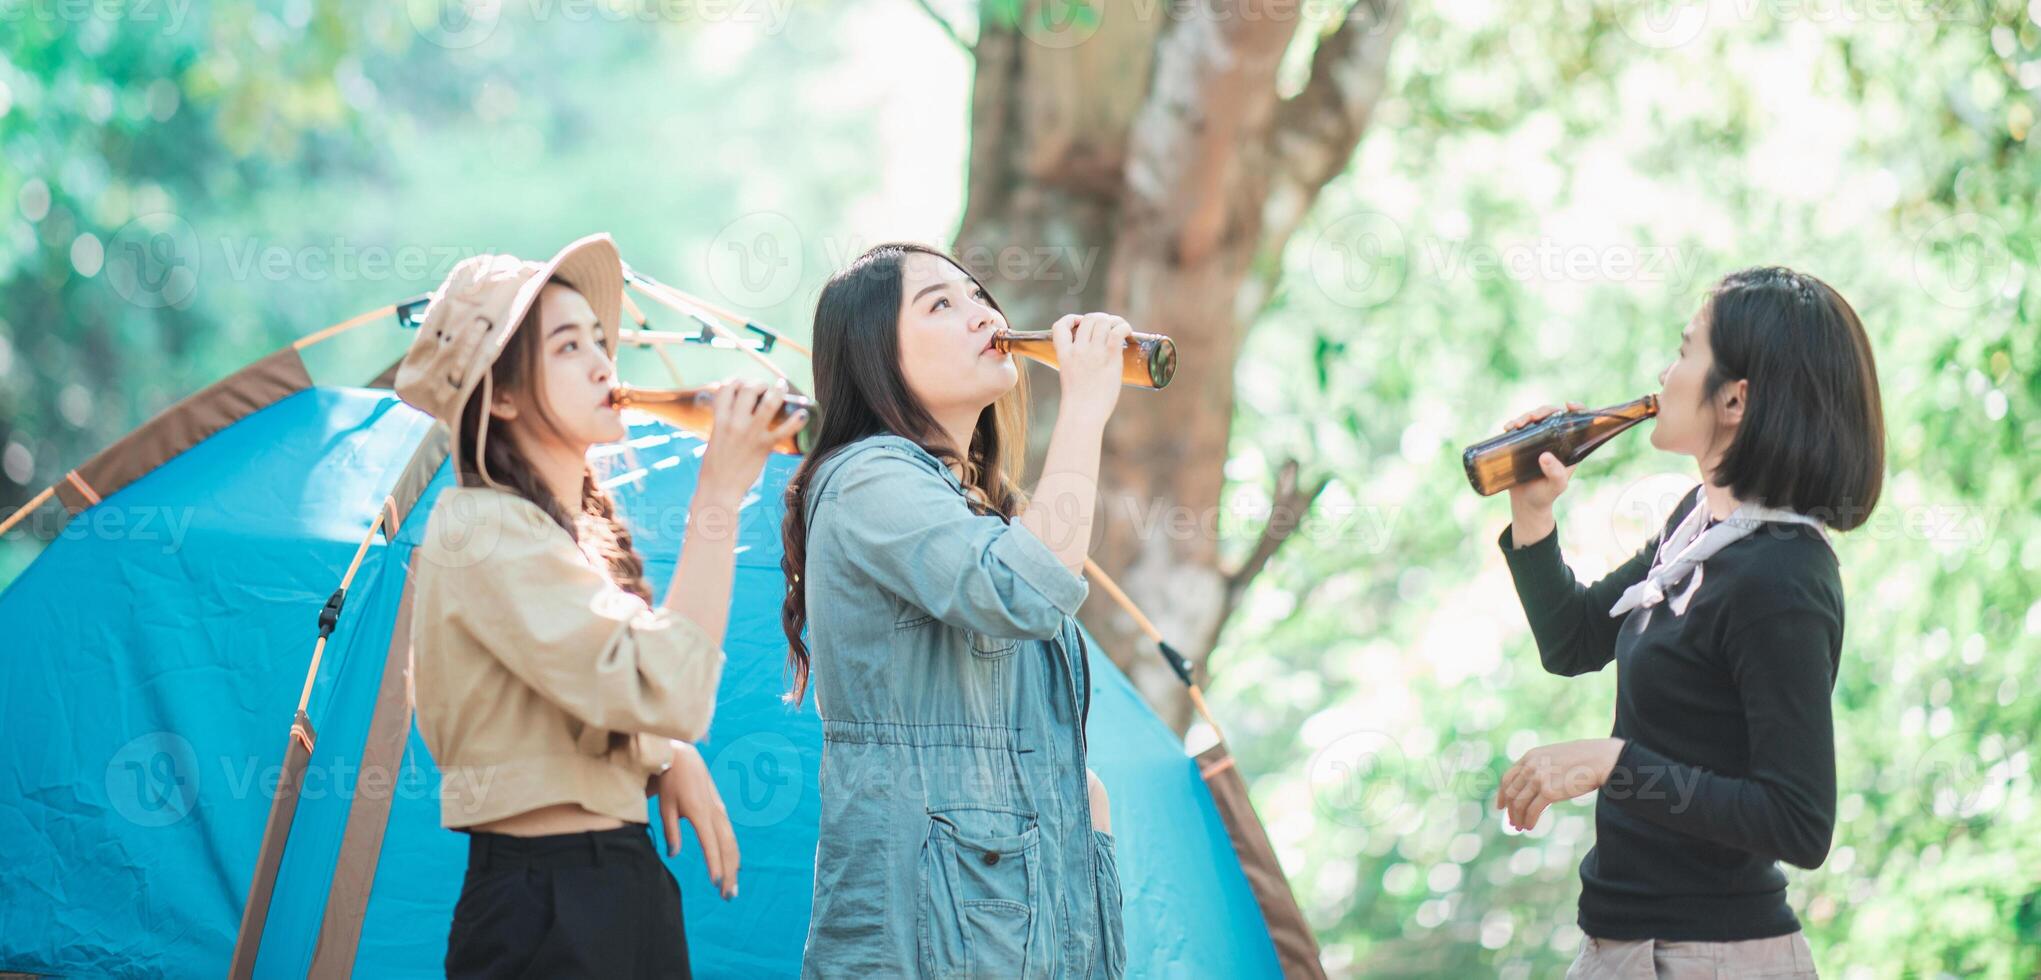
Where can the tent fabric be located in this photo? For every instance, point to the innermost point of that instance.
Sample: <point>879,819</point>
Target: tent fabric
<point>368,816</point>
<point>1296,947</point>
<point>184,424</point>
<point>156,649</point>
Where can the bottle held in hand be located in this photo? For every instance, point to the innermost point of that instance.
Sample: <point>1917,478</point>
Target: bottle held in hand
<point>1150,357</point>
<point>693,409</point>
<point>1512,458</point>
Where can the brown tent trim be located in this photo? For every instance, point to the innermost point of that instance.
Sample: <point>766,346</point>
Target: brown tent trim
<point>184,425</point>
<point>282,810</point>
<point>417,475</point>
<point>368,816</point>
<point>1296,947</point>
<point>387,379</point>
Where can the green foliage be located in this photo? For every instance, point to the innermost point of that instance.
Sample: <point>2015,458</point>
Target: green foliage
<point>119,123</point>
<point>1885,153</point>
<point>244,176</point>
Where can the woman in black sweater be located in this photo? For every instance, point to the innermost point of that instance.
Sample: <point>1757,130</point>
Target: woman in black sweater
<point>1727,634</point>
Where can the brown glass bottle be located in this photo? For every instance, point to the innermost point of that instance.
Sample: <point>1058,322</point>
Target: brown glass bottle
<point>1512,458</point>
<point>692,410</point>
<point>1150,357</point>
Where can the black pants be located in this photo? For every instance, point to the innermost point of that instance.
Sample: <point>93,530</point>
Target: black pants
<point>594,904</point>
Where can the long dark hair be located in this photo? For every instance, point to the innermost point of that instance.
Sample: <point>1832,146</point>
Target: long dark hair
<point>595,525</point>
<point>1812,437</point>
<point>861,391</point>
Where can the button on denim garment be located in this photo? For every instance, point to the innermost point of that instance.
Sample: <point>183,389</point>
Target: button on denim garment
<point>956,834</point>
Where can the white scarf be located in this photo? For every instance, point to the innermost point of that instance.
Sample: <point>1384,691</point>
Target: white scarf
<point>1681,553</point>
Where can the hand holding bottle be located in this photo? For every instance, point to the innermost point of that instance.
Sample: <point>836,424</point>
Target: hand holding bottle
<point>1530,502</point>
<point>743,435</point>
<point>1089,354</point>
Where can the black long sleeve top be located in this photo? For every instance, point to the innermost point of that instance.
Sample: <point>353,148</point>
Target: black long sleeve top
<point>1728,765</point>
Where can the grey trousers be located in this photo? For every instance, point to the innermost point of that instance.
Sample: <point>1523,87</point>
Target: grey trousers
<point>1651,959</point>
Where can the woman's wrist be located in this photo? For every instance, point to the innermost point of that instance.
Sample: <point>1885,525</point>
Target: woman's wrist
<point>1077,421</point>
<point>713,486</point>
<point>712,512</point>
<point>1531,525</point>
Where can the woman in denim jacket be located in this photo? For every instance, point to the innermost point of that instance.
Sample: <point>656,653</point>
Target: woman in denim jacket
<point>961,834</point>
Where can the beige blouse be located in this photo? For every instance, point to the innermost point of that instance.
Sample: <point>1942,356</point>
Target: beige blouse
<point>538,680</point>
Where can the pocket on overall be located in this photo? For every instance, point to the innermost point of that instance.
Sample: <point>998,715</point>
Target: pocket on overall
<point>992,647</point>
<point>1113,931</point>
<point>981,879</point>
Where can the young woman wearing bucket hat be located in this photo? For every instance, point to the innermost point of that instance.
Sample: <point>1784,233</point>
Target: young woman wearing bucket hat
<point>554,695</point>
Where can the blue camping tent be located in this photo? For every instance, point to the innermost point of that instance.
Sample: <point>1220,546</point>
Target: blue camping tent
<point>152,651</point>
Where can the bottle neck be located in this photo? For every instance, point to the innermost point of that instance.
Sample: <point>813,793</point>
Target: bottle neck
<point>628,394</point>
<point>1639,410</point>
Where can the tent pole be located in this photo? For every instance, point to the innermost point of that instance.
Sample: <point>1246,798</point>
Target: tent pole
<point>1175,659</point>
<point>333,604</point>
<point>368,814</point>
<point>343,326</point>
<point>658,293</point>
<point>717,311</point>
<point>1296,947</point>
<point>269,859</point>
<point>672,369</point>
<point>283,808</point>
<point>33,503</point>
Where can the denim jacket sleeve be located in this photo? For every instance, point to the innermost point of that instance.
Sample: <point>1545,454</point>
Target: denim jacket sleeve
<point>904,525</point>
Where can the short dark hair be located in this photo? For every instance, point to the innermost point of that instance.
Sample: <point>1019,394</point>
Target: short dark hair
<point>1812,437</point>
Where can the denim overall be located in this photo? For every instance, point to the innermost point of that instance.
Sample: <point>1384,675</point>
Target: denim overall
<point>956,834</point>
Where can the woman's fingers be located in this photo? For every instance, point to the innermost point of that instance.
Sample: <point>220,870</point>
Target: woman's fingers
<point>1554,470</point>
<point>769,402</point>
<point>669,824</point>
<point>1064,330</point>
<point>1520,803</point>
<point>792,425</point>
<point>1508,784</point>
<point>1118,334</point>
<point>748,399</point>
<point>1529,417</point>
<point>722,403</point>
<point>728,838</point>
<point>752,396</point>
<point>712,845</point>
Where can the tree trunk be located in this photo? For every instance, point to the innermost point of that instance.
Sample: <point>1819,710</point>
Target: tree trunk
<point>1141,161</point>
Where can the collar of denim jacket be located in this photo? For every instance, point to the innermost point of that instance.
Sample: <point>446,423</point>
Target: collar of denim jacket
<point>875,443</point>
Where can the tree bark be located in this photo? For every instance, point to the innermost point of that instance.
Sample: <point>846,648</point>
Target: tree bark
<point>1144,163</point>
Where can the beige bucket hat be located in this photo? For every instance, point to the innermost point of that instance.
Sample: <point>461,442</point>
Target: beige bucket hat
<point>470,318</point>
